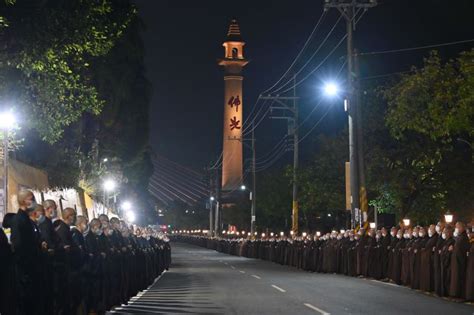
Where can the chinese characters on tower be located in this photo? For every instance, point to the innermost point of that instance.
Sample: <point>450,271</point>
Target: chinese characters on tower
<point>234,102</point>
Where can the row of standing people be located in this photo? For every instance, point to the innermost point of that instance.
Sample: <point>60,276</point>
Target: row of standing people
<point>69,265</point>
<point>438,258</point>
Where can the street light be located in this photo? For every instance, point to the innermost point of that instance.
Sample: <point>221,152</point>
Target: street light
<point>331,89</point>
<point>406,221</point>
<point>448,217</point>
<point>130,216</point>
<point>243,187</point>
<point>127,205</point>
<point>109,185</point>
<point>212,198</point>
<point>7,122</point>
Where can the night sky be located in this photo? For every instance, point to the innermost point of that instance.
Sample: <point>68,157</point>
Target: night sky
<point>183,40</point>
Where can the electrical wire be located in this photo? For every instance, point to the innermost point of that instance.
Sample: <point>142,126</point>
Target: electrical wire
<point>415,48</point>
<point>315,125</point>
<point>308,40</point>
<point>184,186</point>
<point>177,190</point>
<point>312,56</point>
<point>318,66</point>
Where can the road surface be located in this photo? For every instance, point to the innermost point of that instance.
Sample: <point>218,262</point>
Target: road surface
<point>202,281</point>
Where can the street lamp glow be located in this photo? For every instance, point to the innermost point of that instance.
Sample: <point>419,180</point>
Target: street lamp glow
<point>212,198</point>
<point>448,217</point>
<point>7,120</point>
<point>109,185</point>
<point>406,222</point>
<point>243,187</point>
<point>126,205</point>
<point>130,216</point>
<point>331,89</point>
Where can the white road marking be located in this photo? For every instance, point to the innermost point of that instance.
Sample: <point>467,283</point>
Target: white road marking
<point>256,277</point>
<point>225,263</point>
<point>278,288</point>
<point>232,267</point>
<point>314,308</point>
<point>388,283</point>
<point>241,271</point>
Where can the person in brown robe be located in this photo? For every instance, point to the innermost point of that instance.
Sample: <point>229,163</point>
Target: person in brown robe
<point>470,270</point>
<point>361,243</point>
<point>390,253</point>
<point>416,264</point>
<point>445,258</point>
<point>437,259</point>
<point>459,262</point>
<point>426,261</point>
<point>397,251</point>
<point>405,271</point>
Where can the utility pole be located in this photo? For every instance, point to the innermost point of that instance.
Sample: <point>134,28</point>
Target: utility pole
<point>292,130</point>
<point>211,205</point>
<point>217,216</point>
<point>350,11</point>
<point>253,194</point>
<point>295,205</point>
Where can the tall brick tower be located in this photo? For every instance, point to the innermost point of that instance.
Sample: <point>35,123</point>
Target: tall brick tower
<point>233,63</point>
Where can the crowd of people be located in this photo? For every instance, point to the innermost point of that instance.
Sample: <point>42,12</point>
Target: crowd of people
<point>438,258</point>
<point>64,264</point>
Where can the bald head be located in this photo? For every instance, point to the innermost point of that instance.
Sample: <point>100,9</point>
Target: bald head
<point>69,216</point>
<point>81,223</point>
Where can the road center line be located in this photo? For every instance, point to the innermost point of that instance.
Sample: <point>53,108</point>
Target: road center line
<point>256,277</point>
<point>314,308</point>
<point>278,288</point>
<point>241,271</point>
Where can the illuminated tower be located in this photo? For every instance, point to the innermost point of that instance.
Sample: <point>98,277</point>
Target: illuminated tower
<point>233,62</point>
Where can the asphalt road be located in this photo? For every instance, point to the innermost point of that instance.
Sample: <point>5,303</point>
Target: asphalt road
<point>202,281</point>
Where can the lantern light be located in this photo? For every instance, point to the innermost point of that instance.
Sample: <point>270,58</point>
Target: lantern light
<point>448,217</point>
<point>406,221</point>
<point>372,225</point>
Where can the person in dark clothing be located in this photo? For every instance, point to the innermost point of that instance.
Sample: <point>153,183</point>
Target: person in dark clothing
<point>72,260</point>
<point>445,258</point>
<point>7,296</point>
<point>26,243</point>
<point>459,261</point>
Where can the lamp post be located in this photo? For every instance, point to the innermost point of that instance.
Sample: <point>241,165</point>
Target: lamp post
<point>7,121</point>
<point>332,90</point>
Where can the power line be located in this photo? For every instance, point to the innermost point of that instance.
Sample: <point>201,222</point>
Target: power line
<point>312,56</point>
<point>318,66</point>
<point>415,48</point>
<point>315,125</point>
<point>308,40</point>
<point>179,165</point>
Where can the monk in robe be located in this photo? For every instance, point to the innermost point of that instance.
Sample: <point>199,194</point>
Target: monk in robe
<point>459,261</point>
<point>419,245</point>
<point>390,247</point>
<point>352,256</point>
<point>437,260</point>
<point>470,271</point>
<point>445,257</point>
<point>406,251</point>
<point>397,252</point>
<point>384,250</point>
<point>426,268</point>
<point>361,243</point>
<point>369,254</point>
